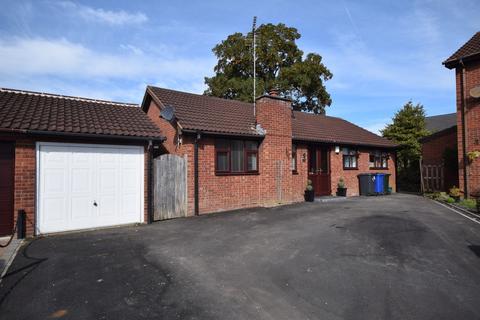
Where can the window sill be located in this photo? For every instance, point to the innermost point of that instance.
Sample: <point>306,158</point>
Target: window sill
<point>378,168</point>
<point>350,168</point>
<point>294,172</point>
<point>237,173</point>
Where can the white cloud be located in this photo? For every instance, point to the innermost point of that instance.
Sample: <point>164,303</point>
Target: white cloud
<point>119,17</point>
<point>60,59</point>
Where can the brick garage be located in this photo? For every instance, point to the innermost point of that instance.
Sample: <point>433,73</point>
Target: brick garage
<point>440,148</point>
<point>277,130</point>
<point>466,62</point>
<point>67,122</point>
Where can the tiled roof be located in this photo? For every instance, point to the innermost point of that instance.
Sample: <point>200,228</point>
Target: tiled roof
<point>470,49</point>
<point>216,115</point>
<point>34,112</point>
<point>321,128</point>
<point>205,113</point>
<point>441,122</point>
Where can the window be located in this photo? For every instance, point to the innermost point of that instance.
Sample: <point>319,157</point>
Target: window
<point>350,158</point>
<point>293,164</point>
<point>236,156</point>
<point>379,160</point>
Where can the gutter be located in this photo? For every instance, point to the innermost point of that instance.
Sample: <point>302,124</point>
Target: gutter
<point>150,182</point>
<point>464,131</point>
<point>82,135</point>
<point>225,134</point>
<point>195,172</point>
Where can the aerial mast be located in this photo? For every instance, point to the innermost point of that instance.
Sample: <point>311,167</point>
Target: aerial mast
<point>254,63</point>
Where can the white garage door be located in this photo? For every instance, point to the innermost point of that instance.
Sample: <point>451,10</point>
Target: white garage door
<point>88,186</point>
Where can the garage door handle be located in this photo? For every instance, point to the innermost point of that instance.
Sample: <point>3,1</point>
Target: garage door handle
<point>95,203</point>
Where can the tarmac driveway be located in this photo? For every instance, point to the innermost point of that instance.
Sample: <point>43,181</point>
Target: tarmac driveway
<point>396,257</point>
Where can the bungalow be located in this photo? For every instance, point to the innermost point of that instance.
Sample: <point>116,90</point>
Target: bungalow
<point>244,155</point>
<point>72,163</point>
<point>466,62</point>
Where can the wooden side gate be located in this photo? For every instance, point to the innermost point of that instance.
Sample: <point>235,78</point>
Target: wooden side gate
<point>432,177</point>
<point>170,187</point>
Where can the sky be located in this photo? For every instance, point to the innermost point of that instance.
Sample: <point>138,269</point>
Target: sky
<point>381,53</point>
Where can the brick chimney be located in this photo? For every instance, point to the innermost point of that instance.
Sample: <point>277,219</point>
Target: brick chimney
<point>274,115</point>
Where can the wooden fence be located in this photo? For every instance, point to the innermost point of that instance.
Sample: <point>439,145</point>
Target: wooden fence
<point>432,177</point>
<point>170,187</point>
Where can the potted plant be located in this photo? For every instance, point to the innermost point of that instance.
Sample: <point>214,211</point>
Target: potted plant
<point>472,155</point>
<point>455,193</point>
<point>309,192</point>
<point>341,189</point>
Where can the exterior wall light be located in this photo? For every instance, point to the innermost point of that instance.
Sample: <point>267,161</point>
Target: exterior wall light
<point>337,149</point>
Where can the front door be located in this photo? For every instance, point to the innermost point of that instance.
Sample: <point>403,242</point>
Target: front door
<point>319,170</point>
<point>6,188</point>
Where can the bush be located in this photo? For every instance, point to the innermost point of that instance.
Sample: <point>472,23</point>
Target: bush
<point>469,204</point>
<point>450,200</point>
<point>455,192</point>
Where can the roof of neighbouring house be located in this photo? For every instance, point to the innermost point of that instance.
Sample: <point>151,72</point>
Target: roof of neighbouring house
<point>223,116</point>
<point>440,122</point>
<point>321,128</point>
<point>36,113</point>
<point>469,51</point>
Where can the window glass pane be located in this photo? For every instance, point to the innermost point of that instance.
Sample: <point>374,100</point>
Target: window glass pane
<point>237,156</point>
<point>345,151</point>
<point>385,163</point>
<point>312,160</point>
<point>222,144</point>
<point>252,162</point>
<point>222,161</point>
<point>293,163</point>
<point>251,145</point>
<point>354,161</point>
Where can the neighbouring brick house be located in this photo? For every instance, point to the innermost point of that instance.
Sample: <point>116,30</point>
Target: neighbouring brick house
<point>440,147</point>
<point>72,163</point>
<point>466,62</point>
<point>245,157</point>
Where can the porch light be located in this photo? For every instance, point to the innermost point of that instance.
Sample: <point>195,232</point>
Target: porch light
<point>337,149</point>
<point>304,157</point>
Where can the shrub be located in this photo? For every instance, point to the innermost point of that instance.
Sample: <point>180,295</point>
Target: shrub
<point>455,192</point>
<point>450,200</point>
<point>469,204</point>
<point>341,183</point>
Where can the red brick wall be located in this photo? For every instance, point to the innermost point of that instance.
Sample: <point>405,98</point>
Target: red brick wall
<point>25,180</point>
<point>433,149</point>
<point>472,119</point>
<point>167,129</point>
<point>350,176</point>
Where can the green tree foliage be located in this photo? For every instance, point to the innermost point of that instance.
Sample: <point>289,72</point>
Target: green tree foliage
<point>407,128</point>
<point>280,64</point>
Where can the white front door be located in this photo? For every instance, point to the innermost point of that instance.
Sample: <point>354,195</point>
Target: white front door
<point>88,186</point>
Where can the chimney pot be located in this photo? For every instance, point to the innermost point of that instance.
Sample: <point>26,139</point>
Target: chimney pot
<point>273,92</point>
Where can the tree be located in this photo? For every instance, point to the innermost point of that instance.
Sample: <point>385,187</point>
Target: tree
<point>280,64</point>
<point>407,129</point>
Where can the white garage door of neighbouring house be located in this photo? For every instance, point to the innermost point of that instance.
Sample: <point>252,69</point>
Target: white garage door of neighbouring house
<point>88,186</point>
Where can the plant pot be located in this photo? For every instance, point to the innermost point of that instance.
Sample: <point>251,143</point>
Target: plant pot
<point>309,195</point>
<point>342,192</point>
